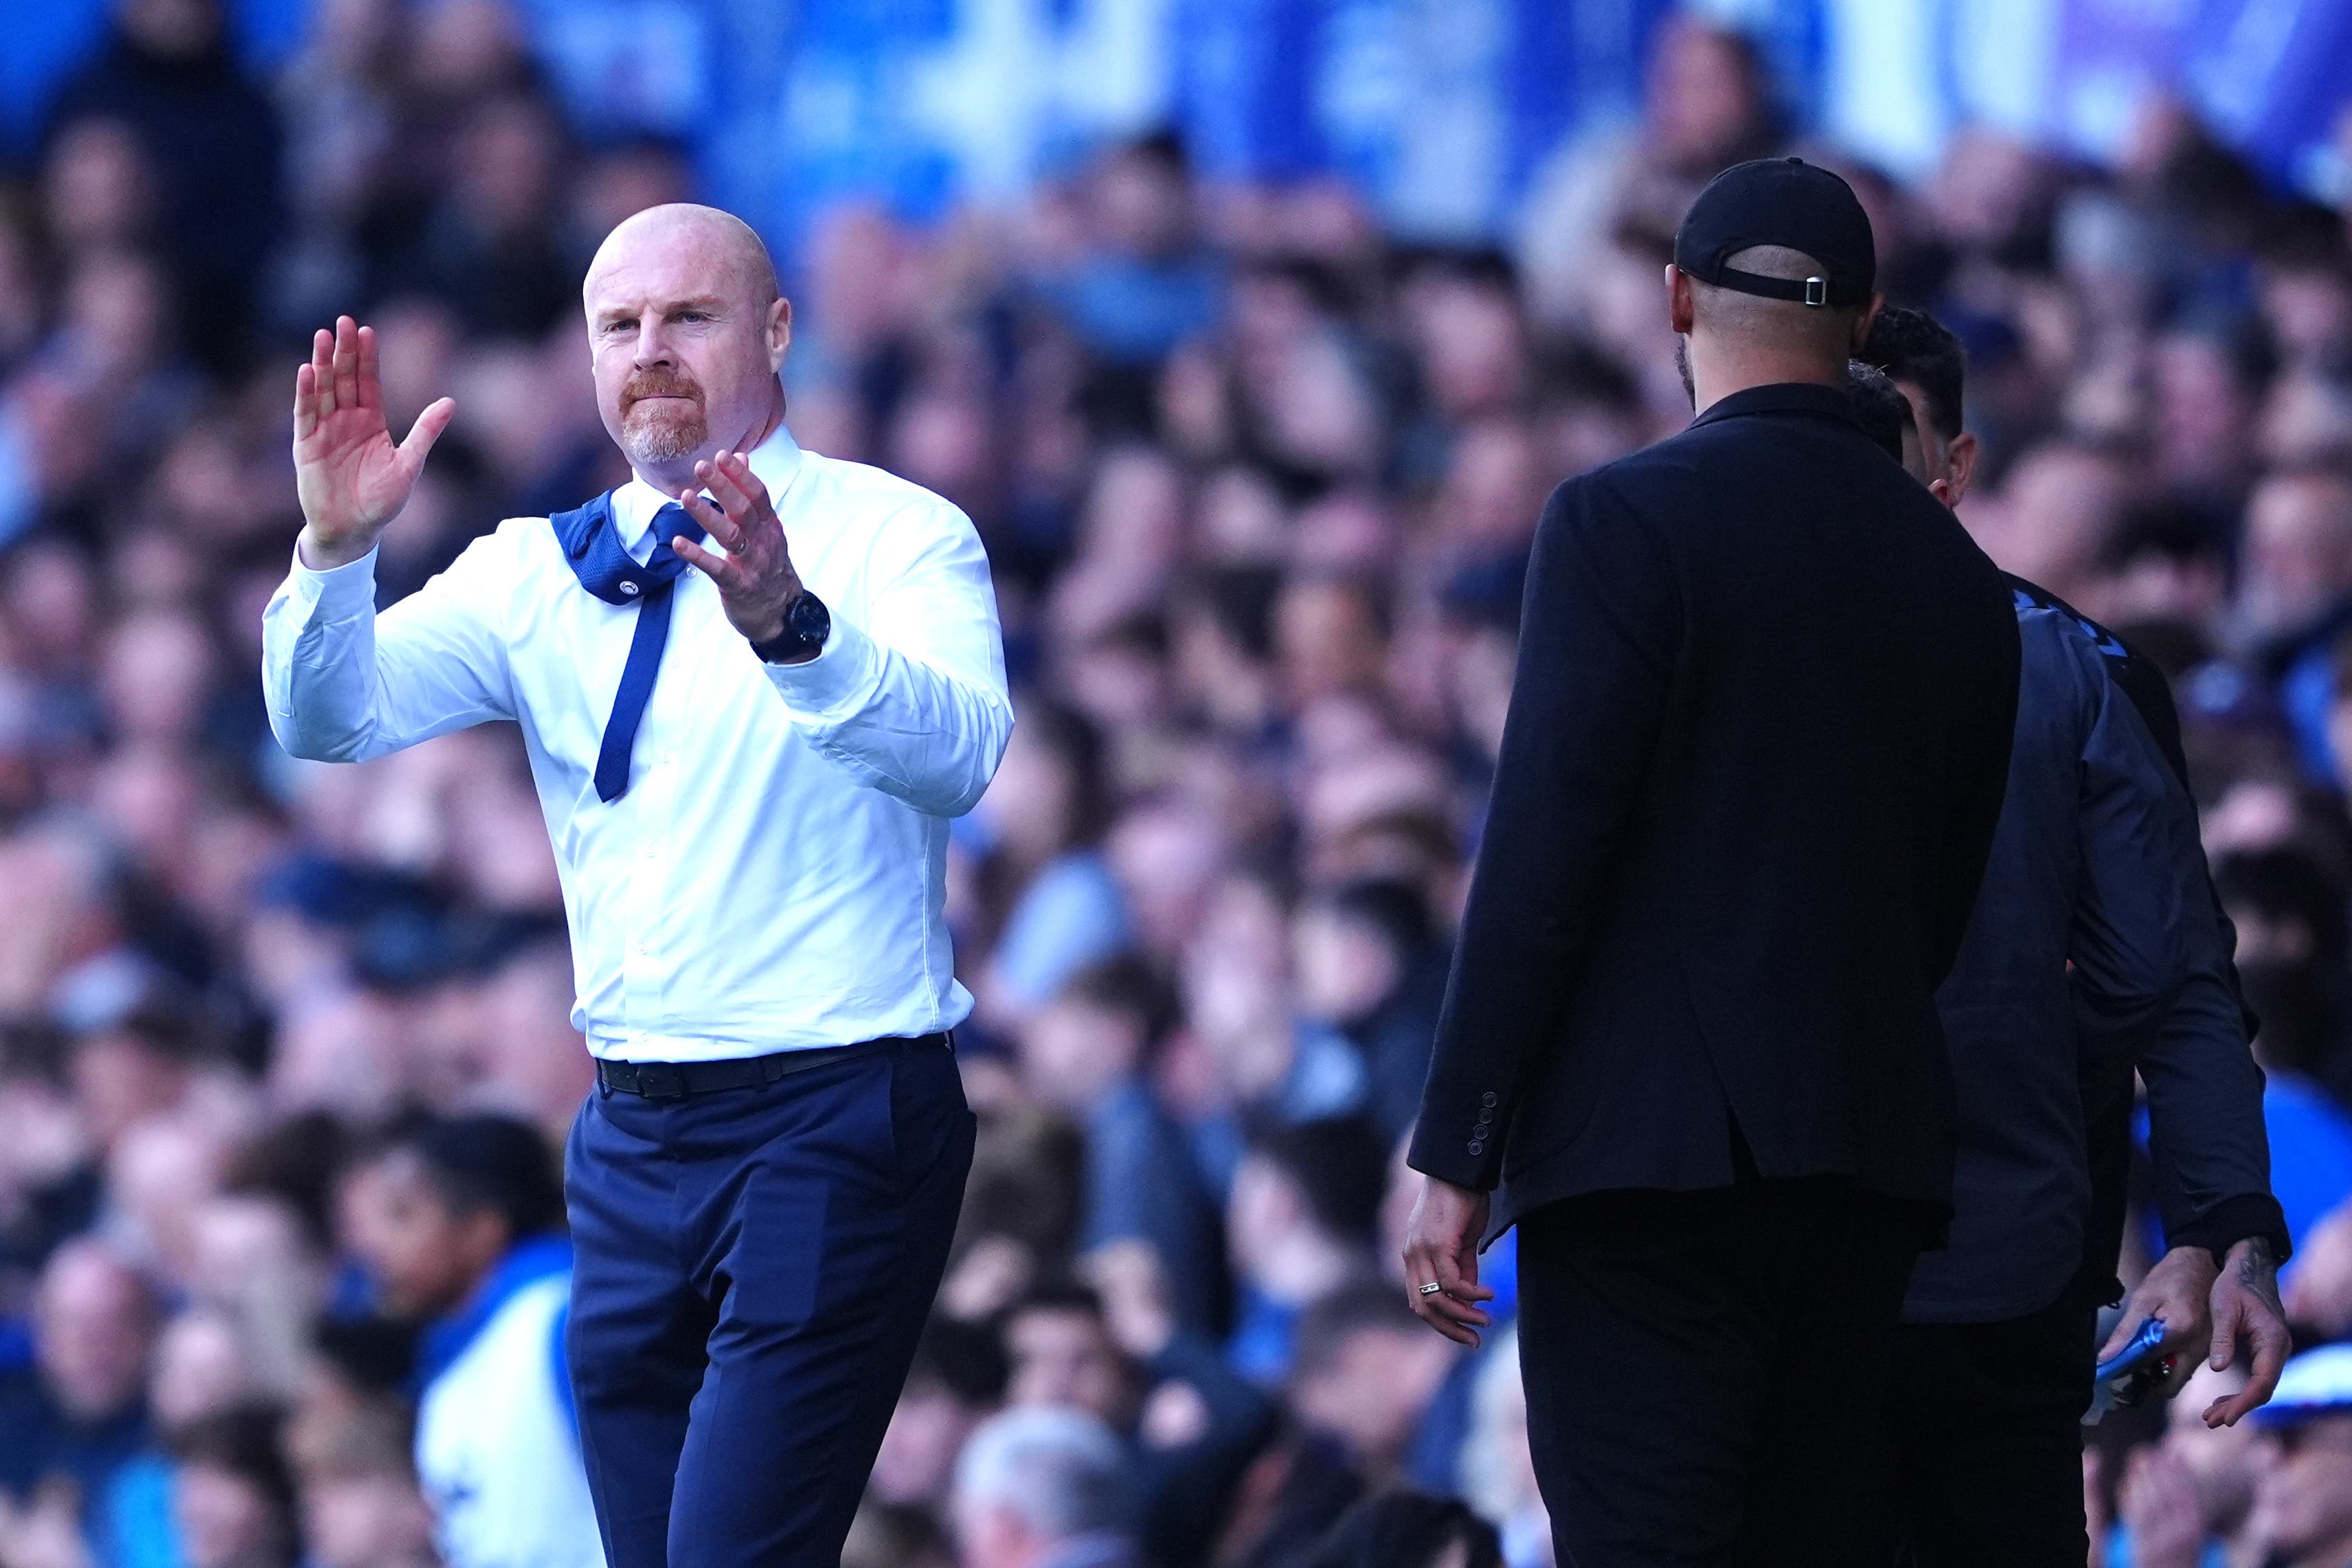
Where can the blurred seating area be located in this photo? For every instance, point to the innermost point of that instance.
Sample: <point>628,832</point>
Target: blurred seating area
<point>1258,483</point>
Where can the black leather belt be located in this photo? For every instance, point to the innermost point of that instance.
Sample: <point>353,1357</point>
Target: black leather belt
<point>674,1080</point>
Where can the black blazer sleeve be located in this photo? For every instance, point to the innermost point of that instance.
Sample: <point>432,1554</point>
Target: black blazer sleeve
<point>1968,845</point>
<point>1596,659</point>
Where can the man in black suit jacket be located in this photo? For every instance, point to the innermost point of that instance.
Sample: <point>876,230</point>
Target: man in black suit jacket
<point>1756,750</point>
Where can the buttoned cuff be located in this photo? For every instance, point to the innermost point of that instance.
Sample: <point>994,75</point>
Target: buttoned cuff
<point>838,682</point>
<point>1465,1149</point>
<point>340,591</point>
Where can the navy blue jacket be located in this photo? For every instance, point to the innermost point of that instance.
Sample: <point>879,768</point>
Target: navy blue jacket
<point>1756,752</point>
<point>2096,948</point>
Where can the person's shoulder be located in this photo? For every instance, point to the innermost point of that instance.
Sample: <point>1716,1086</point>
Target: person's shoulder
<point>2056,656</point>
<point>498,1355</point>
<point>863,482</point>
<point>1637,505</point>
<point>899,513</point>
<point>2102,657</point>
<point>2044,616</point>
<point>1674,472</point>
<point>1613,486</point>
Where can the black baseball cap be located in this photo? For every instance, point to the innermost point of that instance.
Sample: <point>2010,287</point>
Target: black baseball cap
<point>1784,202</point>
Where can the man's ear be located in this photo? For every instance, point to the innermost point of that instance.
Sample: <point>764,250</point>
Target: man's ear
<point>1960,468</point>
<point>1861,325</point>
<point>780,332</point>
<point>1678,299</point>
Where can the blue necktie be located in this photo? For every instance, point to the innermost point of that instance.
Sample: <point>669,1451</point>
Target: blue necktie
<point>605,569</point>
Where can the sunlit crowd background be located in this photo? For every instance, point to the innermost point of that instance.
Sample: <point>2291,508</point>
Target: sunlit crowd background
<point>1257,481</point>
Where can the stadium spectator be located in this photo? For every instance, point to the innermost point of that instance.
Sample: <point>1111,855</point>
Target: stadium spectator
<point>233,1499</point>
<point>957,1380</point>
<point>2302,1513</point>
<point>81,1416</point>
<point>1300,1224</point>
<point>213,141</point>
<point>1043,1488</point>
<point>1408,1530</point>
<point>1088,1053</point>
<point>460,1223</point>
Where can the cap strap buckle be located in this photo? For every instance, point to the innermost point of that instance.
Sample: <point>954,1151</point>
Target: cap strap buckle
<point>1817,291</point>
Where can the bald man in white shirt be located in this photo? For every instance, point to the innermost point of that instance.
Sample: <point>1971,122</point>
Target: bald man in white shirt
<point>755,684</point>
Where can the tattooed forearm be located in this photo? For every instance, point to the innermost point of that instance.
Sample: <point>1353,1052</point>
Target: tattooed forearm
<point>2258,1271</point>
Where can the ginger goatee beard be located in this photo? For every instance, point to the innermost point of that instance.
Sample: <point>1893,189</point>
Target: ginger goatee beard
<point>664,437</point>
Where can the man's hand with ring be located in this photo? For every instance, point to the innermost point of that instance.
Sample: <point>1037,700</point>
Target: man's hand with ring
<point>2174,1290</point>
<point>756,580</point>
<point>1441,1259</point>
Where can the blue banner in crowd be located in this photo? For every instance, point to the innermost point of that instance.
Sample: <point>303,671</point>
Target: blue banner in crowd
<point>1438,109</point>
<point>2273,78</point>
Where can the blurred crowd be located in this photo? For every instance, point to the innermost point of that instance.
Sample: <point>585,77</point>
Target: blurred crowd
<point>1258,484</point>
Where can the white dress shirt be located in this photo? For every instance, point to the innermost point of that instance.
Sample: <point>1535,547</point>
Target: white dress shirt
<point>774,877</point>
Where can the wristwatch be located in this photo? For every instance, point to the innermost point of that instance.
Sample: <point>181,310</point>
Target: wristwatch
<point>807,623</point>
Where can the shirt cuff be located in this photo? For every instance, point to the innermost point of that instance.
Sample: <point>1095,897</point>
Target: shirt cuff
<point>346,589</point>
<point>837,682</point>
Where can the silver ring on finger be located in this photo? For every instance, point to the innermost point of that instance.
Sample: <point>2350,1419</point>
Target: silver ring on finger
<point>1430,1289</point>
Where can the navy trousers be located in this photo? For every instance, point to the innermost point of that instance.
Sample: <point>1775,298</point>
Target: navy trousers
<point>751,1270</point>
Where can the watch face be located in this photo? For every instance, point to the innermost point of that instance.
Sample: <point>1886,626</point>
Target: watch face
<point>809,619</point>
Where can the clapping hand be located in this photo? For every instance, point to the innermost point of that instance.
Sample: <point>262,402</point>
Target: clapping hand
<point>349,477</point>
<point>756,580</point>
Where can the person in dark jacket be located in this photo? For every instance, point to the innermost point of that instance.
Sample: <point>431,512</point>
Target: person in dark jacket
<point>1750,775</point>
<point>214,138</point>
<point>2098,948</point>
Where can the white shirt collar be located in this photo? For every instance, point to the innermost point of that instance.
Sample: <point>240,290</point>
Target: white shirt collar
<point>774,460</point>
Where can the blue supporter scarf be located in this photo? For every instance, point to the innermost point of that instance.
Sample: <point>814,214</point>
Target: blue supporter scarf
<point>592,547</point>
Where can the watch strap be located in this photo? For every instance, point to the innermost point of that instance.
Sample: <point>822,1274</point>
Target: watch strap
<point>807,624</point>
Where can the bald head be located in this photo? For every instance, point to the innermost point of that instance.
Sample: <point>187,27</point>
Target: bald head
<point>690,228</point>
<point>1752,317</point>
<point>1733,340</point>
<point>95,1320</point>
<point>687,332</point>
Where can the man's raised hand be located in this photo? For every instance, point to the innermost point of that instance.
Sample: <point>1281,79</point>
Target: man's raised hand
<point>349,477</point>
<point>755,577</point>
